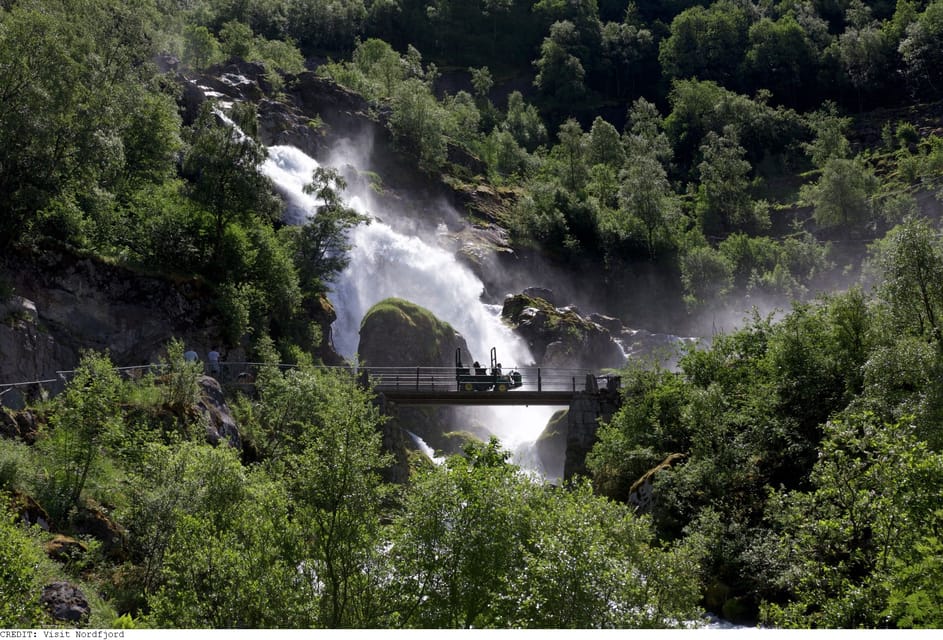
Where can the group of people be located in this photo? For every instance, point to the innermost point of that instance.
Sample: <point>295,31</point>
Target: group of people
<point>480,370</point>
<point>212,359</point>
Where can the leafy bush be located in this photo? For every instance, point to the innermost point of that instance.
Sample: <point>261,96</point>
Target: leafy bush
<point>15,464</point>
<point>19,555</point>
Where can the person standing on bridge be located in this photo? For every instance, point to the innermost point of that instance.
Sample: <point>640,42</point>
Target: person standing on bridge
<point>212,359</point>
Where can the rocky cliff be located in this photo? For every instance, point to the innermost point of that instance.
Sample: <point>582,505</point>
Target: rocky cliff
<point>59,303</point>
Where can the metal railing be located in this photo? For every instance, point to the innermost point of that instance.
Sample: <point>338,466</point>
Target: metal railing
<point>442,379</point>
<point>415,379</point>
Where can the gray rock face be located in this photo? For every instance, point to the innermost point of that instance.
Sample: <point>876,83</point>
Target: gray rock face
<point>220,425</point>
<point>65,601</point>
<point>63,304</point>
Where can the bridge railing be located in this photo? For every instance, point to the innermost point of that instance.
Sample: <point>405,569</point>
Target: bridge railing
<point>439,379</point>
<point>417,379</point>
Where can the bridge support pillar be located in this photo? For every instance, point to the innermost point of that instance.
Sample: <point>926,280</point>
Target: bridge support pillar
<point>587,411</point>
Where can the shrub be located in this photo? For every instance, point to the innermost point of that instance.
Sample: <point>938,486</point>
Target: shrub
<point>19,556</point>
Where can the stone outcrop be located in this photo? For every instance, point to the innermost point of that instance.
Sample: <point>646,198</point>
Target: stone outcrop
<point>64,549</point>
<point>220,425</point>
<point>93,520</point>
<point>65,303</point>
<point>395,332</point>
<point>399,333</point>
<point>19,425</point>
<point>551,445</point>
<point>561,337</point>
<point>29,511</point>
<point>64,601</point>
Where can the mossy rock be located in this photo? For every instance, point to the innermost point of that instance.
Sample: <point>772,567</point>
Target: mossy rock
<point>396,332</point>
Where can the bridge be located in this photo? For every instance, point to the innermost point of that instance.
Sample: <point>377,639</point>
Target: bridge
<point>410,386</point>
<point>405,386</point>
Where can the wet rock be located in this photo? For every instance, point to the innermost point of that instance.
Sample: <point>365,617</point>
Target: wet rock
<point>551,445</point>
<point>561,337</point>
<point>612,325</point>
<point>65,602</point>
<point>541,293</point>
<point>641,493</point>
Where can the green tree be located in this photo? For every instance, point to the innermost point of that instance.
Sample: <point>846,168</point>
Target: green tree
<point>228,562</point>
<point>418,123</point>
<point>706,275</point>
<point>201,48</point>
<point>481,81</point>
<point>628,51</point>
<point>830,140</point>
<point>723,201</point>
<point>87,420</point>
<point>872,500</point>
<point>921,52</point>
<point>706,43</point>
<point>560,73</point>
<point>864,51</point>
<point>604,145</point>
<point>781,58</point>
<point>223,166</point>
<point>72,77</point>
<point>336,491</point>
<point>571,152</point>
<point>320,245</point>
<point>910,263</point>
<point>647,196</point>
<point>524,123</point>
<point>458,540</point>
<point>842,195</point>
<point>591,563</point>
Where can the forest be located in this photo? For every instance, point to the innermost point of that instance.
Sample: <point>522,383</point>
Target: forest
<point>780,156</point>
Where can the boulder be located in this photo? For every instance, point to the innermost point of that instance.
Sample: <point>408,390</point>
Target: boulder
<point>541,293</point>
<point>398,333</point>
<point>28,510</point>
<point>551,445</point>
<point>19,425</point>
<point>220,425</point>
<point>561,337</point>
<point>66,602</point>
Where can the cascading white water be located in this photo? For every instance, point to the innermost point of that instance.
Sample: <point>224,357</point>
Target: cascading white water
<point>386,263</point>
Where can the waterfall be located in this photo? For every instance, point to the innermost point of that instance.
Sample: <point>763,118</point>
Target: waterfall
<point>425,448</point>
<point>387,263</point>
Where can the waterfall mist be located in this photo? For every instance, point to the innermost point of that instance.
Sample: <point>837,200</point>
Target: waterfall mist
<point>385,262</point>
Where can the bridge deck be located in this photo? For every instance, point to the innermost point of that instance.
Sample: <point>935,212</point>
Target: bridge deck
<point>493,398</point>
<point>440,385</point>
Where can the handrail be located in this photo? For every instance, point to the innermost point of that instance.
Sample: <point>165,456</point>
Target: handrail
<point>384,378</point>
